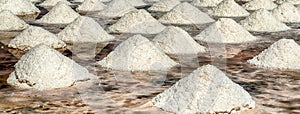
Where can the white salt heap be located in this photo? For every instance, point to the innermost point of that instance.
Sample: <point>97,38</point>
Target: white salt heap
<point>287,12</point>
<point>139,21</point>
<point>174,40</point>
<point>205,90</point>
<point>185,14</point>
<point>225,30</point>
<point>260,4</point>
<point>84,29</point>
<point>206,3</point>
<point>91,6</point>
<point>164,5</point>
<point>229,8</point>
<point>295,2</point>
<point>263,21</point>
<point>283,54</point>
<point>137,3</point>
<point>61,13</point>
<point>19,7</point>
<point>8,21</point>
<point>33,36</point>
<point>45,68</point>
<point>51,3</point>
<point>137,53</point>
<point>117,8</point>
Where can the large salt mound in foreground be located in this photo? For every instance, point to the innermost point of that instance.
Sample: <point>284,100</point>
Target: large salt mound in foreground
<point>45,68</point>
<point>51,3</point>
<point>164,5</point>
<point>229,8</point>
<point>137,53</point>
<point>260,4</point>
<point>19,7</point>
<point>206,3</point>
<point>117,8</point>
<point>287,13</point>
<point>91,6</point>
<point>283,54</point>
<point>205,90</point>
<point>8,22</point>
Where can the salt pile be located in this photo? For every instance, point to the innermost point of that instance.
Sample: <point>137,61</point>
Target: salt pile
<point>137,3</point>
<point>185,14</point>
<point>45,68</point>
<point>84,29</point>
<point>263,21</point>
<point>164,5</point>
<point>80,1</point>
<point>206,3</point>
<point>225,30</point>
<point>117,8</point>
<point>139,21</point>
<point>205,90</point>
<point>283,54</point>
<point>91,6</point>
<point>229,8</point>
<point>295,2</point>
<point>137,53</point>
<point>9,22</point>
<point>61,13</point>
<point>260,4</point>
<point>174,40</point>
<point>33,36</point>
<point>287,12</point>
<point>19,7</point>
<point>51,3</point>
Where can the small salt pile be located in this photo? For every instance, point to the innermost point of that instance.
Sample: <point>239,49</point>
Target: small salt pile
<point>139,21</point>
<point>137,53</point>
<point>91,6</point>
<point>283,54</point>
<point>164,5</point>
<point>229,8</point>
<point>263,21</point>
<point>137,3</point>
<point>185,14</point>
<point>117,8</point>
<point>84,29</point>
<point>33,36</point>
<point>10,22</point>
<point>295,2</point>
<point>206,3</point>
<point>19,7</point>
<point>287,13</point>
<point>51,3</point>
<point>205,90</point>
<point>79,1</point>
<point>45,68</point>
<point>174,40</point>
<point>61,13</point>
<point>225,30</point>
<point>259,4</point>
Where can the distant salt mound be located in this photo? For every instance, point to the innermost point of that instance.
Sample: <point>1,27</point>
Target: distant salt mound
<point>295,2</point>
<point>10,22</point>
<point>185,14</point>
<point>45,68</point>
<point>174,40</point>
<point>84,29</point>
<point>117,8</point>
<point>80,1</point>
<point>283,54</point>
<point>287,13</point>
<point>61,13</point>
<point>205,90</point>
<point>225,30</point>
<point>260,4</point>
<point>137,53</point>
<point>229,8</point>
<point>91,6</point>
<point>263,21</point>
<point>19,7</point>
<point>164,5</point>
<point>137,3</point>
<point>206,3</point>
<point>51,3</point>
<point>139,21</point>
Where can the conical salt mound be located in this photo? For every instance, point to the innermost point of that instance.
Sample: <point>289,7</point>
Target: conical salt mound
<point>295,2</point>
<point>206,3</point>
<point>91,6</point>
<point>174,40</point>
<point>33,36</point>
<point>185,14</point>
<point>164,5</point>
<point>45,68</point>
<point>283,54</point>
<point>139,21</point>
<point>137,3</point>
<point>225,30</point>
<point>117,8</point>
<point>8,21</point>
<point>260,4</point>
<point>205,90</point>
<point>19,7</point>
<point>61,13</point>
<point>137,53</point>
<point>287,13</point>
<point>229,8</point>
<point>263,21</point>
<point>51,3</point>
<point>84,29</point>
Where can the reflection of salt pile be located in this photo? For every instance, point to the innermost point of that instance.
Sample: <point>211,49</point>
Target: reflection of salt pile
<point>295,2</point>
<point>33,36</point>
<point>283,54</point>
<point>139,21</point>
<point>61,13</point>
<point>205,90</point>
<point>19,7</point>
<point>117,8</point>
<point>263,21</point>
<point>137,53</point>
<point>51,3</point>
<point>225,30</point>
<point>206,3</point>
<point>287,12</point>
<point>174,40</point>
<point>260,4</point>
<point>90,6</point>
<point>164,5</point>
<point>229,8</point>
<point>137,3</point>
<point>45,68</point>
<point>185,14</point>
<point>9,21</point>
